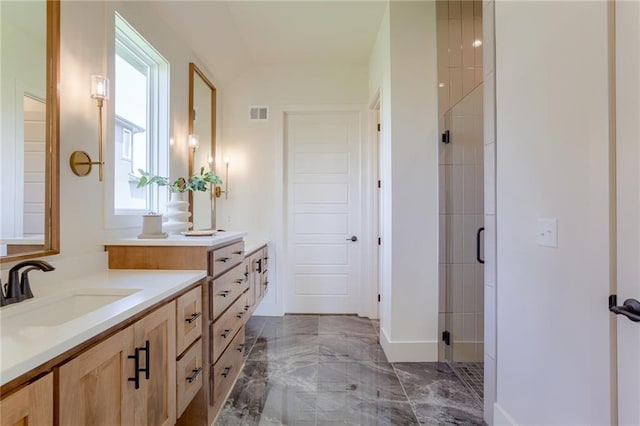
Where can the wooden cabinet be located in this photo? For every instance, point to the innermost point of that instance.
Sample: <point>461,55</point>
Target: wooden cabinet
<point>32,405</point>
<point>258,279</point>
<point>127,379</point>
<point>190,363</point>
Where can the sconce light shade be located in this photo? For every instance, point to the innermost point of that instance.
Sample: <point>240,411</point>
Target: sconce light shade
<point>99,87</point>
<point>194,142</point>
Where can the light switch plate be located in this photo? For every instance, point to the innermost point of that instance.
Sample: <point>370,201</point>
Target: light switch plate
<point>548,232</point>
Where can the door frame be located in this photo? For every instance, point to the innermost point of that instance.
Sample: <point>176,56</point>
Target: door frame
<point>367,306</point>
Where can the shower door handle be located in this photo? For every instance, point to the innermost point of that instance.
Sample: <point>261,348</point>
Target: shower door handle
<point>630,308</point>
<point>478,258</point>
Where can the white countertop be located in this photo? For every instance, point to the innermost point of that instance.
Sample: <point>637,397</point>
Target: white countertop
<point>252,245</point>
<point>178,240</point>
<point>24,347</point>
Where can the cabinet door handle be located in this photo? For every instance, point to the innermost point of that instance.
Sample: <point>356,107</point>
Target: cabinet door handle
<point>223,259</point>
<point>146,350</point>
<point>246,276</point>
<point>225,334</point>
<point>194,374</point>
<point>240,347</point>
<point>226,372</point>
<point>136,368</point>
<point>259,268</point>
<point>225,293</point>
<point>193,317</point>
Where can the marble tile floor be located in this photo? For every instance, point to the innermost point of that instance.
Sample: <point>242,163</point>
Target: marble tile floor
<point>330,370</point>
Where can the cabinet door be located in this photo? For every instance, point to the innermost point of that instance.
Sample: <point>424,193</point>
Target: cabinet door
<point>30,406</point>
<point>94,387</point>
<point>155,339</point>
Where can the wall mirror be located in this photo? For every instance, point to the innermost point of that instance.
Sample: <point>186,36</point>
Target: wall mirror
<point>29,57</point>
<point>202,122</point>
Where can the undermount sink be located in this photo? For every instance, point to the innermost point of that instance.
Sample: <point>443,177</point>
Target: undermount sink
<point>61,308</point>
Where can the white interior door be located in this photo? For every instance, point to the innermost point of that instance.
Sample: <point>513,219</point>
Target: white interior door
<point>323,212</point>
<point>628,184</point>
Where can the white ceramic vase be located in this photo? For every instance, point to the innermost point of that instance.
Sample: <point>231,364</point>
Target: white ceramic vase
<point>177,213</point>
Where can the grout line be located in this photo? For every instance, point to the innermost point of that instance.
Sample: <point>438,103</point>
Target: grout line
<point>413,410</point>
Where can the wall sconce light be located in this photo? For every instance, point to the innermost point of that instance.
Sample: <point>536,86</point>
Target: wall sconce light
<point>80,161</point>
<point>218,190</point>
<point>194,142</point>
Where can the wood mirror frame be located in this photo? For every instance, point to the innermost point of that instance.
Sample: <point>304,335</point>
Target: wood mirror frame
<point>193,72</point>
<point>51,244</point>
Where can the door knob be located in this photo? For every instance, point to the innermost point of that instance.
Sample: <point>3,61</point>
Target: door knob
<point>353,238</point>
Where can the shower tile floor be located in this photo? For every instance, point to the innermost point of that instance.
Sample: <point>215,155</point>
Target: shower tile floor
<point>331,370</point>
<point>472,375</point>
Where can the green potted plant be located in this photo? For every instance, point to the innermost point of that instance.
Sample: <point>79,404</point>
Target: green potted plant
<point>177,209</point>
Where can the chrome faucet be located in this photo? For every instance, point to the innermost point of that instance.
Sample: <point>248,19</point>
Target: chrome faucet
<point>18,290</point>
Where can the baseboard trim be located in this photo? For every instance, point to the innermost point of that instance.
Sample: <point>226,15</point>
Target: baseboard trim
<point>501,418</point>
<point>407,350</point>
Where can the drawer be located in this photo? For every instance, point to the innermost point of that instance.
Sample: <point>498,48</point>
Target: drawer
<point>225,371</point>
<point>225,289</point>
<point>188,319</point>
<point>225,258</point>
<point>189,371</point>
<point>226,326</point>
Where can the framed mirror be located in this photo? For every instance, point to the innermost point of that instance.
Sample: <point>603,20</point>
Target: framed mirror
<point>202,122</point>
<point>29,61</point>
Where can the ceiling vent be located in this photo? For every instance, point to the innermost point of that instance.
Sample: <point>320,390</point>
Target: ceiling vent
<point>259,113</point>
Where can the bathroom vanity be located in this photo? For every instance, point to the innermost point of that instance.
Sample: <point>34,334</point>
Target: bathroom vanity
<point>236,283</point>
<point>165,347</point>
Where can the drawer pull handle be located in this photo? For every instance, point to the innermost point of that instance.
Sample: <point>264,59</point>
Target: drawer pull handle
<point>246,276</point>
<point>225,293</point>
<point>223,259</point>
<point>239,281</point>
<point>246,307</point>
<point>239,253</point>
<point>194,374</point>
<point>225,334</point>
<point>240,347</point>
<point>240,314</point>
<point>193,317</point>
<point>226,372</point>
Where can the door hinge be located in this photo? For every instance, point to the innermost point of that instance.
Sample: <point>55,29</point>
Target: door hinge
<point>446,338</point>
<point>379,241</point>
<point>446,137</point>
<point>379,183</point>
<point>378,126</point>
<point>378,297</point>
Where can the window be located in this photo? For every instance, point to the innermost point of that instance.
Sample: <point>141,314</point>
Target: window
<point>141,84</point>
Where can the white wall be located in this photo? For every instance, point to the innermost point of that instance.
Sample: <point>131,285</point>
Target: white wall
<point>405,74</point>
<point>552,161</point>
<point>255,149</point>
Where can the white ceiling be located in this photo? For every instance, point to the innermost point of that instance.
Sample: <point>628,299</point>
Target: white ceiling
<point>231,36</point>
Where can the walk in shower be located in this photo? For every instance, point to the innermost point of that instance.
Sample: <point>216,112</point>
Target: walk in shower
<point>461,189</point>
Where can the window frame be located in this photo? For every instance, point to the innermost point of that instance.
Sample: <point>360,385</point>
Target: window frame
<point>130,45</point>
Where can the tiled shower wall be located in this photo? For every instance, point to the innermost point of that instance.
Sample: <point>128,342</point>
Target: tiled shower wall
<point>459,32</point>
